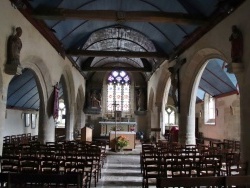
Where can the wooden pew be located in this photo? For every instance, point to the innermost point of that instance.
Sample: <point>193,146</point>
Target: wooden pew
<point>190,182</point>
<point>26,179</point>
<point>4,178</point>
<point>237,181</point>
<point>223,181</point>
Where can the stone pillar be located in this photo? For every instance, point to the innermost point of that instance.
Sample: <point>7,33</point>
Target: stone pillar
<point>69,123</point>
<point>46,132</point>
<point>244,85</point>
<point>3,103</point>
<point>157,124</point>
<point>187,121</point>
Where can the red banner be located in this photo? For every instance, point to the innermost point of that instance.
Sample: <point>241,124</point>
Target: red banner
<point>56,102</point>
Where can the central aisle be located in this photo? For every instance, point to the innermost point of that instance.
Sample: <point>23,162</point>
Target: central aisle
<point>121,171</point>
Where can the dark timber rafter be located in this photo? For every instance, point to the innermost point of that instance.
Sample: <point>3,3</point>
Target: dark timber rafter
<point>92,53</point>
<point>104,69</point>
<point>111,15</point>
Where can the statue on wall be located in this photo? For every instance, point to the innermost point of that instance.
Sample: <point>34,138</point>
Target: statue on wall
<point>236,40</point>
<point>141,100</point>
<point>175,79</point>
<point>95,99</point>
<point>14,46</point>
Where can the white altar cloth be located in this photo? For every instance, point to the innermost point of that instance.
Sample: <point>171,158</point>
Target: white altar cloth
<point>107,126</point>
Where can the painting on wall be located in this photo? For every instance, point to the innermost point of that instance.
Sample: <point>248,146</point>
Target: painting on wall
<point>33,121</point>
<point>27,120</point>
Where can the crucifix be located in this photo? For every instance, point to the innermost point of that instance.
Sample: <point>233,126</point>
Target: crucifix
<point>115,105</point>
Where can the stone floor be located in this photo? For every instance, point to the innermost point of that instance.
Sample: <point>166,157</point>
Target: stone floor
<point>121,170</point>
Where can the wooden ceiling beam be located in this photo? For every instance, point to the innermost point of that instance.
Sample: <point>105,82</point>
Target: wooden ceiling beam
<point>120,16</point>
<point>93,53</point>
<point>104,69</point>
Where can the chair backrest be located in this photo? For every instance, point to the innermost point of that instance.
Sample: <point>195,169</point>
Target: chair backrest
<point>238,169</point>
<point>190,182</point>
<point>181,168</point>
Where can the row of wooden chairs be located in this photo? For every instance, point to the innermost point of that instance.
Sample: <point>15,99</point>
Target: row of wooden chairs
<point>226,181</point>
<point>190,161</point>
<point>19,138</point>
<point>59,158</point>
<point>41,180</point>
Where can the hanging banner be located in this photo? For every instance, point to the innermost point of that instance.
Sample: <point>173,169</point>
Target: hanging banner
<point>56,102</point>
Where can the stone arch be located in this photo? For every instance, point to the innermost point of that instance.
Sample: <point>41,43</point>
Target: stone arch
<point>162,85</point>
<point>69,99</point>
<point>189,85</point>
<point>195,65</point>
<point>45,89</point>
<point>164,104</point>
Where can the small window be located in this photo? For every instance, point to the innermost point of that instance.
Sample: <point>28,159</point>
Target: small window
<point>209,109</point>
<point>171,115</point>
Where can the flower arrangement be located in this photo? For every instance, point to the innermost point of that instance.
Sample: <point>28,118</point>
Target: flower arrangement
<point>122,142</point>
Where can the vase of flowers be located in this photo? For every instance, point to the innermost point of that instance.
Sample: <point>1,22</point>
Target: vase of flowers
<point>121,142</point>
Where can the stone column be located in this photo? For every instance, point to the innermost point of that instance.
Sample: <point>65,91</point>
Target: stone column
<point>187,121</point>
<point>244,85</point>
<point>3,103</point>
<point>46,132</point>
<point>157,124</point>
<point>69,123</point>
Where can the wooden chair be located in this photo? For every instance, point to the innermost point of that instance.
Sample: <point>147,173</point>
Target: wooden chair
<point>151,170</point>
<point>90,169</point>
<point>9,164</point>
<point>207,167</point>
<point>238,169</point>
<point>190,182</point>
<point>29,165</point>
<point>43,180</point>
<point>181,168</point>
<point>230,160</point>
<point>48,166</point>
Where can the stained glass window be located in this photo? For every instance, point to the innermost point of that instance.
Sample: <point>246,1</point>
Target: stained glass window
<point>118,91</point>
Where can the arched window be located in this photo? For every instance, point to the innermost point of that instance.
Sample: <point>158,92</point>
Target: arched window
<point>171,115</point>
<point>118,91</point>
<point>209,109</point>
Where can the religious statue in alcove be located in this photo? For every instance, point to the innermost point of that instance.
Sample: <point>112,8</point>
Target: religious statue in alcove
<point>94,100</point>
<point>140,99</point>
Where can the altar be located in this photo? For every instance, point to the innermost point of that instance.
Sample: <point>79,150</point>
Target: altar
<point>129,135</point>
<point>107,126</point>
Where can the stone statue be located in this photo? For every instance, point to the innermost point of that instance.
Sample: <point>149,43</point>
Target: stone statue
<point>95,99</point>
<point>236,40</point>
<point>174,83</point>
<point>141,100</point>
<point>14,47</point>
<point>174,79</point>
